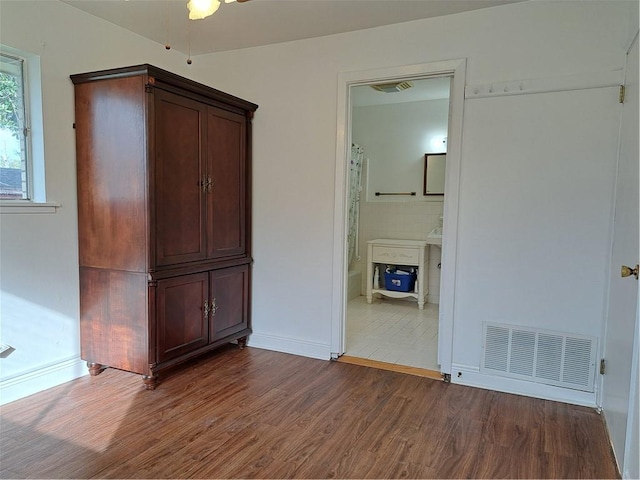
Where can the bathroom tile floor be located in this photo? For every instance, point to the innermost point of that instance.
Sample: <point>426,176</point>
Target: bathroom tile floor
<point>393,331</point>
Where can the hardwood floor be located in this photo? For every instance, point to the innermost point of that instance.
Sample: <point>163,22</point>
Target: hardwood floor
<point>254,413</point>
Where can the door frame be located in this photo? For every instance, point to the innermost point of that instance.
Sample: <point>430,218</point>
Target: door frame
<point>456,69</point>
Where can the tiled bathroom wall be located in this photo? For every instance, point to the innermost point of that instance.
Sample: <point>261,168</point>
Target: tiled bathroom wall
<point>401,220</point>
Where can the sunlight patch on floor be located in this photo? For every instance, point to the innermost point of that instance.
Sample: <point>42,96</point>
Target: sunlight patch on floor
<point>61,409</point>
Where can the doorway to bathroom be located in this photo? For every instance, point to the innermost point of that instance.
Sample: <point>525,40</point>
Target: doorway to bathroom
<point>392,301</point>
<point>389,121</point>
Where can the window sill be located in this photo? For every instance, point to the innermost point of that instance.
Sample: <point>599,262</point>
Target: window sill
<point>11,206</point>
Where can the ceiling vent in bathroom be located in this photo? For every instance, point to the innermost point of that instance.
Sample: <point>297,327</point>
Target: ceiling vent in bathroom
<point>392,87</point>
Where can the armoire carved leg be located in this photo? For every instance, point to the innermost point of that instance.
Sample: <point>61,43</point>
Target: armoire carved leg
<point>94,368</point>
<point>242,342</point>
<point>150,381</point>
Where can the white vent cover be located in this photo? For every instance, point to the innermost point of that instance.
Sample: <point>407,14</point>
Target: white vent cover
<point>392,87</point>
<point>543,356</point>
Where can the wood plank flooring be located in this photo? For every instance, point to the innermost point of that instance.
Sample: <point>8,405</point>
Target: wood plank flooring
<point>258,414</point>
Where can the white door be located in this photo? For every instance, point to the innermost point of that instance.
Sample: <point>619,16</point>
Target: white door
<point>618,381</point>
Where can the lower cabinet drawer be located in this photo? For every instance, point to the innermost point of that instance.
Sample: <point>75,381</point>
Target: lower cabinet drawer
<point>396,255</point>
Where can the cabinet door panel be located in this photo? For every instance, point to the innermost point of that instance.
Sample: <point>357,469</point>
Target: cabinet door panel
<point>180,200</point>
<point>226,157</point>
<point>230,294</point>
<point>182,325</point>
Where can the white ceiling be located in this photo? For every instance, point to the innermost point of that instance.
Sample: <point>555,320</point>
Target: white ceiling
<point>264,22</point>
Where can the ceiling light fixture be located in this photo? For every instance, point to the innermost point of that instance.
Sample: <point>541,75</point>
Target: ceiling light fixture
<point>199,9</point>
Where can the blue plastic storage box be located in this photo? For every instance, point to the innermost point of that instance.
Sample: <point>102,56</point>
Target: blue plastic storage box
<point>399,283</point>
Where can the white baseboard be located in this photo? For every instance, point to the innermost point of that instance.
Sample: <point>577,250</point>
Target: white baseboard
<point>41,378</point>
<point>303,348</point>
<point>471,377</point>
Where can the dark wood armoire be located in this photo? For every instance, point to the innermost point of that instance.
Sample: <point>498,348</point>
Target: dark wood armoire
<point>164,219</point>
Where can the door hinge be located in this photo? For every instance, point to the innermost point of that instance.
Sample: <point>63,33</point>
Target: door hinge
<point>603,364</point>
<point>621,94</point>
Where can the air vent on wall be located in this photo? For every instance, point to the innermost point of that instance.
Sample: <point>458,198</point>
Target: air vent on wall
<point>543,356</point>
<point>392,87</point>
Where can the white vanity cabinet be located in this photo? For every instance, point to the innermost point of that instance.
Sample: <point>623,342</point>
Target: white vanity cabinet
<point>386,251</point>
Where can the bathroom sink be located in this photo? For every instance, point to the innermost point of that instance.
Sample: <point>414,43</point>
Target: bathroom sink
<point>435,236</point>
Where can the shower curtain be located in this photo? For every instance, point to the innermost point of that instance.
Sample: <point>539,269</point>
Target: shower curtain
<point>355,173</point>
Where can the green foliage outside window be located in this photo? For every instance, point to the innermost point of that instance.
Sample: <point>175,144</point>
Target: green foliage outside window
<point>10,104</point>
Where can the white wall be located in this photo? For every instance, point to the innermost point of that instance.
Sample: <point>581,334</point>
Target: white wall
<point>395,138</point>
<point>295,85</point>
<point>536,194</point>
<point>39,299</point>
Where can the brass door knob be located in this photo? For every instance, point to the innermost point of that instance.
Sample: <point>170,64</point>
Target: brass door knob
<point>628,271</point>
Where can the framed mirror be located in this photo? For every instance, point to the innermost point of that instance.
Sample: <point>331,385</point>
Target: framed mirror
<point>434,168</point>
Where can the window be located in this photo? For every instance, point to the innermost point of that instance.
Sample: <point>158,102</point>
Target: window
<point>22,182</point>
<point>15,165</point>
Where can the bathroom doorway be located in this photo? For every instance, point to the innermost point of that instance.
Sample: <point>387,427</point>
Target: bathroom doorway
<point>395,127</point>
<point>400,322</point>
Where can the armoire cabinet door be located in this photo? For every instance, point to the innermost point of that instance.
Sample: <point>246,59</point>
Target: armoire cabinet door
<point>230,301</point>
<point>181,315</point>
<point>226,165</point>
<point>180,127</point>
